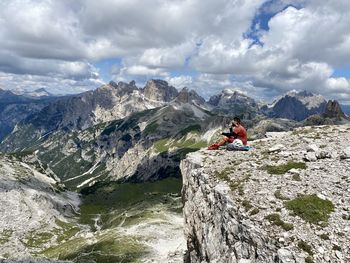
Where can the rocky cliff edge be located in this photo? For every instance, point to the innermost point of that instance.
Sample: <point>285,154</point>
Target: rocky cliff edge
<point>287,200</point>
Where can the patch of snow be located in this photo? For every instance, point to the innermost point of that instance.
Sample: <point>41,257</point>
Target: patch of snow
<point>88,181</point>
<point>90,171</point>
<point>312,102</point>
<point>45,134</point>
<point>228,91</point>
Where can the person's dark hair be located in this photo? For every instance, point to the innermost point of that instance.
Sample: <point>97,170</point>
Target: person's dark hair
<point>237,119</point>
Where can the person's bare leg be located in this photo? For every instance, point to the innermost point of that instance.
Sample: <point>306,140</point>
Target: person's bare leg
<point>223,141</point>
<point>220,143</point>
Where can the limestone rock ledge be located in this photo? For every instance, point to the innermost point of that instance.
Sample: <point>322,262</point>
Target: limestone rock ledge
<point>215,229</point>
<point>235,208</point>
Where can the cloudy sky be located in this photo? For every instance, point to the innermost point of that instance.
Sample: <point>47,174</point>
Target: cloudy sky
<point>263,48</point>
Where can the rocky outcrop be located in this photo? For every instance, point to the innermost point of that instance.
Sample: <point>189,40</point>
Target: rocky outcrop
<point>259,128</point>
<point>333,114</point>
<point>333,110</point>
<point>271,204</point>
<point>215,229</point>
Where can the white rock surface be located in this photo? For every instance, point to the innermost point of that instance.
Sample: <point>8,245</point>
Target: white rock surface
<point>312,148</point>
<point>276,148</point>
<point>345,153</point>
<point>310,156</point>
<point>29,203</point>
<point>228,223</point>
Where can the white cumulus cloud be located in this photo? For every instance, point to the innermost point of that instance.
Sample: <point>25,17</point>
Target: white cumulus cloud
<point>61,41</point>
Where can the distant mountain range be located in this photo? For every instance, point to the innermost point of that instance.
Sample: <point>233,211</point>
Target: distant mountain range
<point>41,92</point>
<point>14,108</point>
<point>122,132</point>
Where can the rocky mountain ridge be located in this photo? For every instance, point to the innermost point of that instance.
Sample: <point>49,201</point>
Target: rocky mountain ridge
<point>118,100</point>
<point>285,202</point>
<point>144,132</point>
<point>108,103</point>
<point>37,93</point>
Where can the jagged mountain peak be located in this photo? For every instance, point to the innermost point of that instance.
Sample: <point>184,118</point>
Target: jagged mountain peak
<point>157,82</point>
<point>307,98</point>
<point>106,103</point>
<point>333,110</point>
<point>41,90</point>
<point>303,93</point>
<point>122,87</point>
<point>232,92</point>
<point>159,90</point>
<point>233,102</point>
<point>295,105</point>
<point>189,96</point>
<point>230,96</point>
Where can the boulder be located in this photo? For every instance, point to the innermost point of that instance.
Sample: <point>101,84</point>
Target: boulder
<point>312,148</point>
<point>285,256</point>
<point>323,155</point>
<point>276,148</point>
<point>345,153</point>
<point>310,157</point>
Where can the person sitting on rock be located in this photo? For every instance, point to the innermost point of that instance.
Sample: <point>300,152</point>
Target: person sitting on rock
<point>237,131</point>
